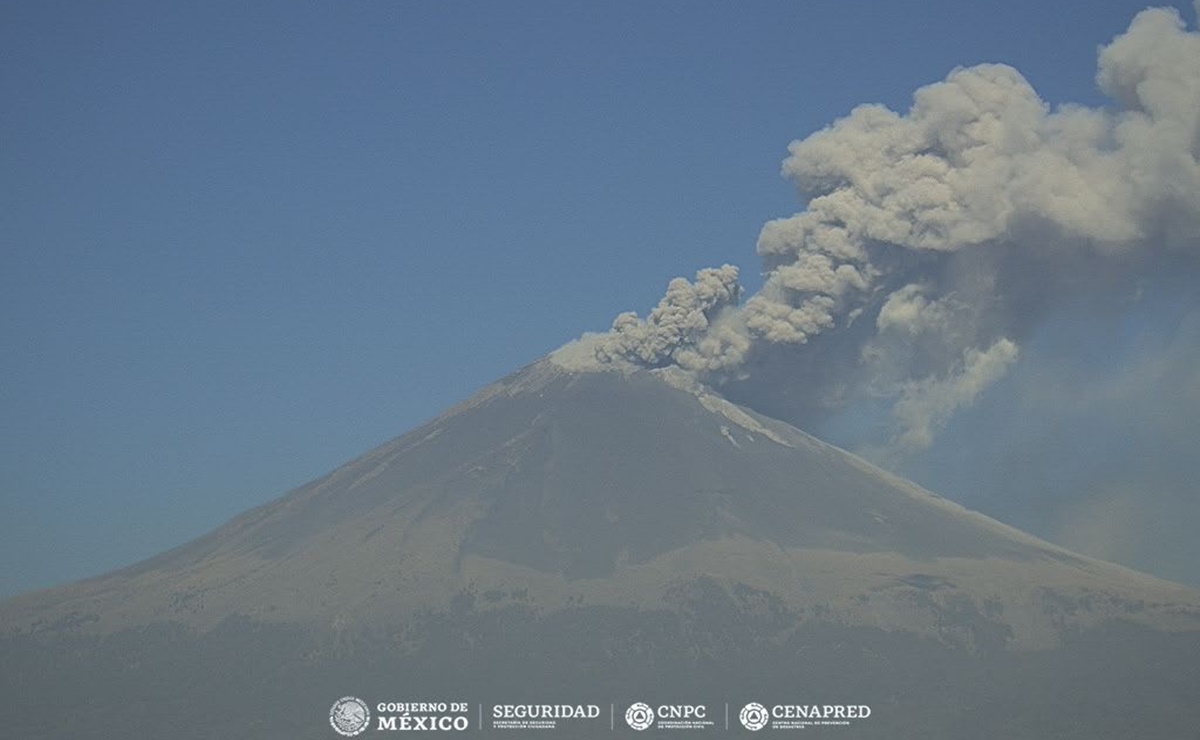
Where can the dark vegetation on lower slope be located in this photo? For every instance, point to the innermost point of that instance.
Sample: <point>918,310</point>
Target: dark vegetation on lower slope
<point>249,679</point>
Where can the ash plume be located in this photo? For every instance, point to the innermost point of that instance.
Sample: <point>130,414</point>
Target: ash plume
<point>681,329</point>
<point>933,242</point>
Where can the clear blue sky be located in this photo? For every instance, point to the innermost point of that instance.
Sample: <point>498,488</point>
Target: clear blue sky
<point>242,243</point>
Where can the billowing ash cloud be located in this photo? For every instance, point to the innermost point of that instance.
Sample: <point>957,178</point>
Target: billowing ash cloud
<point>682,330</point>
<point>934,242</point>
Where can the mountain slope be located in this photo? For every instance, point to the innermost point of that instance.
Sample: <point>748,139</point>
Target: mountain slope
<point>605,488</point>
<point>573,531</point>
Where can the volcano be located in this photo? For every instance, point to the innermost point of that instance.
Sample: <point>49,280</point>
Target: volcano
<point>578,534</point>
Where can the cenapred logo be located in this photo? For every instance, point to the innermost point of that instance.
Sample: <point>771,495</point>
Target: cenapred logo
<point>349,716</point>
<point>639,716</point>
<point>754,716</point>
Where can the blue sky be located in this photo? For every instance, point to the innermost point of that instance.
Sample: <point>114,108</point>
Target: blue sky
<point>243,243</point>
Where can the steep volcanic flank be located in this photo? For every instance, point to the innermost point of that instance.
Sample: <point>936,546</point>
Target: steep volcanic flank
<point>602,532</point>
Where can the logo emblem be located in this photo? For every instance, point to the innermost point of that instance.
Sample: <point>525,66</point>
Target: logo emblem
<point>349,716</point>
<point>754,716</point>
<point>639,716</point>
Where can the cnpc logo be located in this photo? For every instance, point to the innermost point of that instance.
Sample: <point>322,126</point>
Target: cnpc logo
<point>641,716</point>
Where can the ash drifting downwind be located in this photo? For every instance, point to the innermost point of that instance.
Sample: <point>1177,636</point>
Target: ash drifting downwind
<point>934,242</point>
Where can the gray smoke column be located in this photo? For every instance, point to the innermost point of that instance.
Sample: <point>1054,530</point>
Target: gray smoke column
<point>681,330</point>
<point>934,241</point>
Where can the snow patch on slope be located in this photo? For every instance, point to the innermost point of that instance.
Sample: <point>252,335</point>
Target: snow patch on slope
<point>685,381</point>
